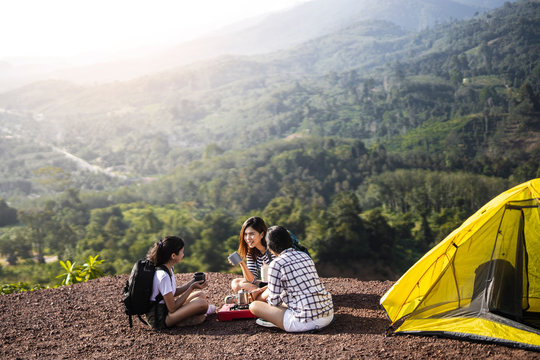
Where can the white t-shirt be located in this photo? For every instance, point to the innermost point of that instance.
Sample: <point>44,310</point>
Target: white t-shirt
<point>163,284</point>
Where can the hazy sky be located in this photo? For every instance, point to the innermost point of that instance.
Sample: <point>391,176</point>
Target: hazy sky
<point>51,28</point>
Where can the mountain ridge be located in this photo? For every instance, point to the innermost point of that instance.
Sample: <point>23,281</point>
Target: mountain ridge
<point>272,32</point>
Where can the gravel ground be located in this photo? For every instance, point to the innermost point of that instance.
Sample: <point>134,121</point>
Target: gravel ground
<point>87,321</point>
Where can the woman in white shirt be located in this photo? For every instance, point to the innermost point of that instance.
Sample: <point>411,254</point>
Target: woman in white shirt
<point>172,305</point>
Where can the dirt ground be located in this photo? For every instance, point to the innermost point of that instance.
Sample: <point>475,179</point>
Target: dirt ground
<point>87,321</point>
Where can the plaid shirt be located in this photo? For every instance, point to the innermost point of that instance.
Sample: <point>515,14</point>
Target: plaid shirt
<point>293,280</point>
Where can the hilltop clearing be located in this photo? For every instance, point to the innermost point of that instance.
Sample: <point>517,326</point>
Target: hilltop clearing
<point>86,321</point>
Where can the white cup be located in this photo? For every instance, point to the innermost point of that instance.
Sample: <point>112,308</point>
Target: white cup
<point>264,273</point>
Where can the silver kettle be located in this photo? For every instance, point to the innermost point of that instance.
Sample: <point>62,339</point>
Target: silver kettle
<point>243,297</point>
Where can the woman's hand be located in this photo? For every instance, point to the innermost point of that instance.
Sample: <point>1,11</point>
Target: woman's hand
<point>240,263</point>
<point>198,284</point>
<point>255,293</point>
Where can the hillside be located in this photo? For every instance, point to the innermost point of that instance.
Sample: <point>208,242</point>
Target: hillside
<point>86,321</point>
<point>371,144</point>
<point>462,93</point>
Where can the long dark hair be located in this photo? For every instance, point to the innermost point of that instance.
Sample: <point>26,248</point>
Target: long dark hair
<point>257,224</point>
<point>161,251</point>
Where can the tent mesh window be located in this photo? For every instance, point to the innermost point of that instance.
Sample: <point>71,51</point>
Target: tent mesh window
<point>500,284</point>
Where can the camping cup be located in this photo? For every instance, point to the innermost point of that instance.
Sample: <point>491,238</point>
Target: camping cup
<point>199,276</point>
<point>243,297</point>
<point>235,258</point>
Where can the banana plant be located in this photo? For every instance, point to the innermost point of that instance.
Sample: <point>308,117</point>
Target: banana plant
<point>90,269</point>
<point>71,274</point>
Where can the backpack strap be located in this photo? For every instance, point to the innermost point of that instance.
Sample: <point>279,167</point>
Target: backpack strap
<point>159,297</point>
<point>164,268</point>
<point>140,318</point>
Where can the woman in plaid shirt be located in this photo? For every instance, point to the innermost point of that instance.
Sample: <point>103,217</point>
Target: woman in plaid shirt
<point>296,300</point>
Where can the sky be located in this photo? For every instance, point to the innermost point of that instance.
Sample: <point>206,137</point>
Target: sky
<point>71,28</point>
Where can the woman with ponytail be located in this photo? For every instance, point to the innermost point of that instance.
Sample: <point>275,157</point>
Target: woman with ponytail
<point>176,306</point>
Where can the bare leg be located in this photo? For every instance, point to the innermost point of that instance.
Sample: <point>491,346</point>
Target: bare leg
<point>191,313</point>
<point>274,314</point>
<point>236,284</point>
<point>242,284</point>
<point>195,294</point>
<point>194,320</point>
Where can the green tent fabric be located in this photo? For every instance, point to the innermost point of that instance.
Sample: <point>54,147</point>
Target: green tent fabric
<point>482,281</point>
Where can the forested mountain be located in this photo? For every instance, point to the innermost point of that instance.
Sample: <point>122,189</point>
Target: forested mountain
<point>392,83</point>
<point>371,144</point>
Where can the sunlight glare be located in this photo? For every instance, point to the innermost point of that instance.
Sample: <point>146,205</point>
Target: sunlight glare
<point>70,27</point>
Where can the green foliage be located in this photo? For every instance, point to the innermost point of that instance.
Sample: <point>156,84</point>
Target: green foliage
<point>80,273</point>
<point>71,274</point>
<point>327,191</point>
<point>18,287</point>
<point>15,245</point>
<point>53,177</point>
<point>425,192</point>
<point>30,272</point>
<point>344,238</point>
<point>56,226</point>
<point>209,251</point>
<point>90,269</point>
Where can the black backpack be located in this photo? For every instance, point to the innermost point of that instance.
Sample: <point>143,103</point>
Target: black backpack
<point>138,289</point>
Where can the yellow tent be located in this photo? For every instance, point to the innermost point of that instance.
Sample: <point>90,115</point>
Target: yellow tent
<point>482,281</point>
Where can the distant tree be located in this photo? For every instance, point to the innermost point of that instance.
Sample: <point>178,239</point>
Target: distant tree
<point>456,77</point>
<point>8,215</point>
<point>425,235</point>
<point>344,237</point>
<point>287,212</point>
<point>54,178</point>
<point>114,226</point>
<point>525,99</point>
<point>382,236</point>
<point>71,209</point>
<point>398,74</point>
<point>15,244</point>
<point>41,227</point>
<point>209,250</point>
<point>99,218</point>
<point>212,150</point>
